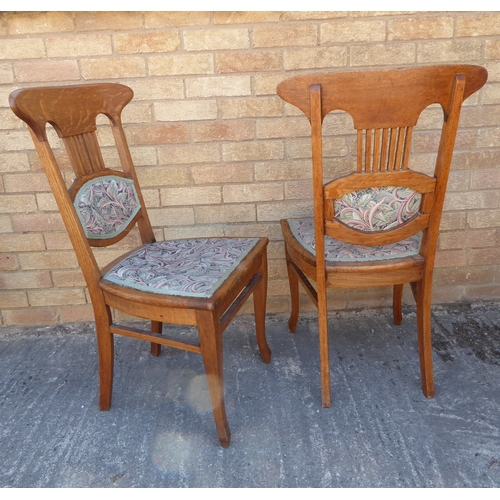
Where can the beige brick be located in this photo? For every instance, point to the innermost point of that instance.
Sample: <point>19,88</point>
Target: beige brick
<point>17,203</point>
<point>13,242</point>
<point>217,174</point>
<point>246,17</point>
<point>21,48</point>
<point>377,54</point>
<point>68,279</point>
<point>79,45</point>
<point>140,43</point>
<point>175,19</point>
<point>253,151</point>
<point>8,262</point>
<point>163,176</point>
<point>269,212</point>
<point>484,219</point>
<point>5,224</point>
<point>22,183</point>
<point>452,221</point>
<point>305,16</point>
<point>283,36</point>
<point>21,281</point>
<point>181,64</point>
<point>206,195</point>
<point>282,170</point>
<point>48,260</point>
<point>472,200</point>
<point>38,222</point>
<point>223,131</point>
<point>352,31</point>
<point>447,51</point>
<point>478,238</point>
<point>205,109</point>
<point>492,49</point>
<point>246,193</point>
<point>21,23</point>
<point>15,140</point>
<point>148,89</point>
<point>11,300</point>
<point>76,314</point>
<point>283,127</point>
<point>123,67</point>
<point>475,293</point>
<point>266,84</point>
<point>8,120</point>
<point>212,231</point>
<point>215,86</point>
<point>158,134</point>
<point>31,316</point>
<point>6,73</point>
<point>475,159</point>
<point>301,148</point>
<point>14,162</point>
<point>298,190</point>
<point>484,256</point>
<point>57,241</point>
<point>137,112</point>
<point>450,258</point>
<point>248,62</point>
<point>56,297</point>
<point>261,230</point>
<point>478,25</point>
<point>420,28</point>
<point>328,57</point>
<point>491,93</point>
<point>189,153</point>
<point>485,179</point>
<point>165,217</point>
<point>251,107</point>
<point>47,71</point>
<point>109,21</point>
<point>222,214</point>
<point>216,39</point>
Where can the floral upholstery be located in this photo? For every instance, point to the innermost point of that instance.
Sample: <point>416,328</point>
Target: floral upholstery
<point>188,268</point>
<point>106,205</point>
<point>340,251</point>
<point>377,209</point>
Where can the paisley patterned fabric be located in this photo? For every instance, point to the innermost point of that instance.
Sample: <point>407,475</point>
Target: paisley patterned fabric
<point>377,209</point>
<point>188,268</point>
<point>340,251</point>
<point>106,205</point>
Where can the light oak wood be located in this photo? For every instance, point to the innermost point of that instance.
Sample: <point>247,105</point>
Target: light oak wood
<point>385,106</point>
<point>72,111</point>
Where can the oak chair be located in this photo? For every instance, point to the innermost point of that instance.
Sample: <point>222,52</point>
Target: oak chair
<point>199,282</point>
<point>379,225</point>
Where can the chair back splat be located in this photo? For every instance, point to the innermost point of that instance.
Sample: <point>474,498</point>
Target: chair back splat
<point>378,225</point>
<point>201,282</point>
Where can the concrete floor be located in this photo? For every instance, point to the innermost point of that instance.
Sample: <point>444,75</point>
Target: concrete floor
<point>380,431</point>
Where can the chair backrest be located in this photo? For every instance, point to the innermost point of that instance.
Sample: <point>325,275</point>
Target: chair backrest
<point>102,205</point>
<point>384,201</point>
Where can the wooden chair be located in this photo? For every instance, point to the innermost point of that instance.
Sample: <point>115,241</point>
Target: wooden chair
<point>199,282</point>
<point>379,225</point>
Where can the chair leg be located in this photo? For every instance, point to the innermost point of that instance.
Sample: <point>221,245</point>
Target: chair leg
<point>259,304</point>
<point>293,282</point>
<point>397,302</point>
<point>425,337</point>
<point>105,351</point>
<point>211,349</point>
<point>156,327</point>
<point>323,348</point>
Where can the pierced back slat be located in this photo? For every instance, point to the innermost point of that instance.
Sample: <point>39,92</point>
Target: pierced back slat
<point>84,153</point>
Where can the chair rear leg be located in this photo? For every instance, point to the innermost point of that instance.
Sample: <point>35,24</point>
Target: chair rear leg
<point>324,348</point>
<point>211,349</point>
<point>293,282</point>
<point>425,337</point>
<point>105,351</point>
<point>397,303</point>
<point>156,327</point>
<point>259,304</point>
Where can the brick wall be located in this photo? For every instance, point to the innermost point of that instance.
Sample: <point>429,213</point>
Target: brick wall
<point>218,153</point>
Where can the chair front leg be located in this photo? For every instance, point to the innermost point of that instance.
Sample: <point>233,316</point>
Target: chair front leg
<point>259,305</point>
<point>105,352</point>
<point>210,334</point>
<point>293,282</point>
<point>397,304</point>
<point>156,327</point>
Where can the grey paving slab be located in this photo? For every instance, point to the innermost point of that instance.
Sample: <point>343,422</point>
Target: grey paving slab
<point>380,431</point>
